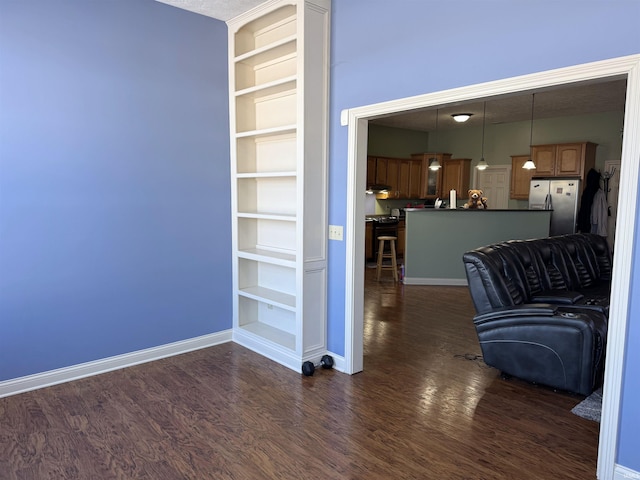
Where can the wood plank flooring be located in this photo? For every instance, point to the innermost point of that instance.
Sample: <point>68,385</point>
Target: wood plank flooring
<point>425,407</point>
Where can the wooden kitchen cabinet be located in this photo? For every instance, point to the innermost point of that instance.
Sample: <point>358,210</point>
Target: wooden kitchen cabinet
<point>455,176</point>
<point>392,177</point>
<point>430,180</point>
<point>563,160</point>
<point>555,160</point>
<point>402,175</point>
<point>387,174</point>
<point>415,178</point>
<point>371,171</point>
<point>520,178</point>
<point>381,171</point>
<point>409,172</point>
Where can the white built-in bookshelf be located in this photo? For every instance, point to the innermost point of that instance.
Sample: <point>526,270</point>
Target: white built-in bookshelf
<point>279,58</point>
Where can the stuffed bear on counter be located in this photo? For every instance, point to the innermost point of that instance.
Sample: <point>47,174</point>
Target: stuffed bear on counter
<point>476,200</point>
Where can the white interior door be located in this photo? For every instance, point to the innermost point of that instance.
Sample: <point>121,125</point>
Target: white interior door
<point>495,182</point>
<point>612,169</point>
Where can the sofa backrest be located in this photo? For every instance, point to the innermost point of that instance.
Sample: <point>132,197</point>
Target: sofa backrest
<point>512,272</point>
<point>600,248</point>
<point>536,274</point>
<point>490,286</point>
<point>582,267</point>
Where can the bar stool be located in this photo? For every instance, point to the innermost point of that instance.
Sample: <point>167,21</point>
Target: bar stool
<point>381,255</point>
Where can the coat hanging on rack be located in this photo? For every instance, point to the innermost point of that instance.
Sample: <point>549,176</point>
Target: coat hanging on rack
<point>599,213</point>
<point>584,214</point>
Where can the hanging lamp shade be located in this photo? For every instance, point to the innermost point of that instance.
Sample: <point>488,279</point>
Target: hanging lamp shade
<point>529,165</point>
<point>482,164</point>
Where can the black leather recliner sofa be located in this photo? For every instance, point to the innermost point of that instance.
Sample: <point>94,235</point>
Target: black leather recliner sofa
<point>542,307</point>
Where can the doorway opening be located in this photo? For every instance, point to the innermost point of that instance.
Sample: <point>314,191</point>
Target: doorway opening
<point>357,120</point>
<point>494,183</point>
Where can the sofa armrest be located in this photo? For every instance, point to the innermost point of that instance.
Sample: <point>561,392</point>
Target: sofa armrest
<point>558,296</point>
<point>547,344</point>
<point>527,309</point>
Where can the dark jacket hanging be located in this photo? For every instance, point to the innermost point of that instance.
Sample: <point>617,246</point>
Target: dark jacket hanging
<point>586,202</point>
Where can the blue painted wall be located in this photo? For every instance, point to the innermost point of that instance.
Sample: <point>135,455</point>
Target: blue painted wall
<point>408,47</point>
<point>114,180</point>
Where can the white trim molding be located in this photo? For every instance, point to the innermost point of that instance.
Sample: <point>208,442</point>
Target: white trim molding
<point>338,362</point>
<point>82,370</point>
<point>624,473</point>
<point>357,121</point>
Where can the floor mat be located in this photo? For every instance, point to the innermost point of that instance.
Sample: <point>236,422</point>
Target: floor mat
<point>591,407</point>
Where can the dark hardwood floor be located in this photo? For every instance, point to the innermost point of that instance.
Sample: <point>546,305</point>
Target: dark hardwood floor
<point>425,407</point>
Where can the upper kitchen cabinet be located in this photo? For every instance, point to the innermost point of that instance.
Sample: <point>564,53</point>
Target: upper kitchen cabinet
<point>278,81</point>
<point>409,177</point>
<point>401,175</point>
<point>520,178</point>
<point>430,180</point>
<point>563,160</point>
<point>387,174</point>
<point>371,171</point>
<point>455,176</point>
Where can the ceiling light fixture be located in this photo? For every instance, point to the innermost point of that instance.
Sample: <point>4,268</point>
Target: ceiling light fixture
<point>529,165</point>
<point>482,164</point>
<point>435,164</point>
<point>461,117</point>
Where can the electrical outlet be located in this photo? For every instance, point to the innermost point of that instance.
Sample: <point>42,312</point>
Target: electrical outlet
<point>335,232</point>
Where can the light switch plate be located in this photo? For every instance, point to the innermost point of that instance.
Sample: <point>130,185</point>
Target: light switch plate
<point>335,232</point>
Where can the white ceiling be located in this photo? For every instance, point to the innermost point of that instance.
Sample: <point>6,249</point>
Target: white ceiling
<point>571,100</point>
<point>220,9</point>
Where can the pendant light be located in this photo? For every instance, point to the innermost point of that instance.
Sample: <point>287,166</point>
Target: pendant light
<point>529,165</point>
<point>482,164</point>
<point>435,164</point>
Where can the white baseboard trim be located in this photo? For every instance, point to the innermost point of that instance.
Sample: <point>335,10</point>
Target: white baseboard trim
<point>75,372</point>
<point>338,362</point>
<point>270,350</point>
<point>279,354</point>
<point>624,473</point>
<point>455,282</point>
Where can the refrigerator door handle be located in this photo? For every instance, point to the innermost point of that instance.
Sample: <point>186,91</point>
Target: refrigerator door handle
<point>548,202</point>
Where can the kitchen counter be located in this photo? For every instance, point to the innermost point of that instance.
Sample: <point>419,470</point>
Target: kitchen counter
<point>460,209</point>
<point>436,239</point>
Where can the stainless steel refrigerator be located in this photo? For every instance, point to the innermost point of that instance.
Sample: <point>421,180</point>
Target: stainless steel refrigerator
<point>562,196</point>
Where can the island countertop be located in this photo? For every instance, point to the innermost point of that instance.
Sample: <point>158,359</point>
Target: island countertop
<point>436,238</point>
<point>460,209</point>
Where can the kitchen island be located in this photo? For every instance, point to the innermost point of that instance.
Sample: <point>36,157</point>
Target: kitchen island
<point>436,239</point>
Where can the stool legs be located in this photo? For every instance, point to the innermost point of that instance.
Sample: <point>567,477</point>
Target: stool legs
<point>394,264</point>
<point>382,255</point>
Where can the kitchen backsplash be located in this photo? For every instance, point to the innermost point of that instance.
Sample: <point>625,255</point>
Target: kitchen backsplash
<point>384,207</point>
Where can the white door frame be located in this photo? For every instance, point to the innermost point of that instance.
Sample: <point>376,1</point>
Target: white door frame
<point>357,120</point>
<point>476,180</point>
